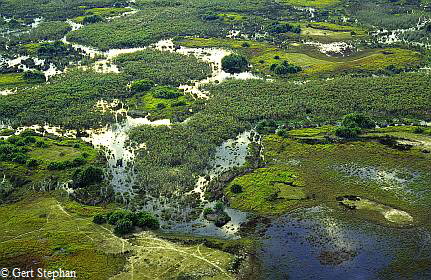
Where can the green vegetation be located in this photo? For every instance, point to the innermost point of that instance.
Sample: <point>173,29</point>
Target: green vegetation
<point>234,63</point>
<point>162,67</point>
<point>31,160</point>
<point>162,102</point>
<point>267,191</point>
<point>40,232</point>
<point>364,205</point>
<point>155,256</point>
<point>60,234</point>
<point>232,17</point>
<point>144,28</point>
<point>51,9</point>
<point>99,14</point>
<point>92,19</point>
<point>264,55</point>
<point>125,221</point>
<point>16,80</point>
<point>217,214</point>
<point>71,99</point>
<point>312,3</point>
<point>328,171</point>
<point>49,30</point>
<point>174,155</point>
<point>285,68</point>
<point>141,85</point>
<point>317,62</point>
<point>59,54</point>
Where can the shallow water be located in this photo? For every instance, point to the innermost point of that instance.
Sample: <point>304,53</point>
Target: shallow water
<point>313,244</point>
<point>336,48</point>
<point>393,36</point>
<point>392,180</point>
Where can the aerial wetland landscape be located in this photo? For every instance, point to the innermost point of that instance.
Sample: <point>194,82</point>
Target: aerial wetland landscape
<point>215,139</point>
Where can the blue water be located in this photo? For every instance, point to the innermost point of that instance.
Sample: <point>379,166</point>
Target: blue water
<point>293,245</point>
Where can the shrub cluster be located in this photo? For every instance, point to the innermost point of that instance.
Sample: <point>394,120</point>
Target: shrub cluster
<point>125,221</point>
<point>285,68</point>
<point>166,92</point>
<point>142,85</point>
<point>281,27</point>
<point>62,165</point>
<point>352,125</point>
<point>234,63</point>
<point>88,176</point>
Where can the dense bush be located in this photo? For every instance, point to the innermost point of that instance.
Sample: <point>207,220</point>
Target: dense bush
<point>34,75</point>
<point>358,120</point>
<point>147,220</point>
<point>166,93</point>
<point>280,27</point>
<point>70,98</point>
<point>92,19</point>
<point>146,27</point>
<point>266,126</point>
<point>99,219</point>
<point>285,68</point>
<point>347,132</point>
<point>50,30</point>
<point>123,226</point>
<point>235,188</point>
<point>234,63</point>
<point>162,67</point>
<point>142,85</point>
<point>124,221</point>
<point>88,176</point>
<point>117,215</point>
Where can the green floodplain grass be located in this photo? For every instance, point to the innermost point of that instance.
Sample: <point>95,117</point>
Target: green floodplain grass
<point>312,3</point>
<point>263,55</point>
<point>312,169</point>
<point>55,151</point>
<point>103,12</point>
<point>148,103</point>
<point>15,80</point>
<point>49,231</point>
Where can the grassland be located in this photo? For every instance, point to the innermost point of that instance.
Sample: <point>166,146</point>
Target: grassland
<point>232,17</point>
<point>31,157</point>
<point>312,3</point>
<point>263,55</point>
<point>12,80</point>
<point>267,191</point>
<point>176,109</point>
<point>330,32</point>
<point>16,80</point>
<point>103,12</point>
<point>50,232</point>
<point>39,232</point>
<point>325,172</point>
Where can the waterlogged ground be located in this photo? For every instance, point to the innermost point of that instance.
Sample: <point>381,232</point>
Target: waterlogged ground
<point>317,243</point>
<point>44,231</point>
